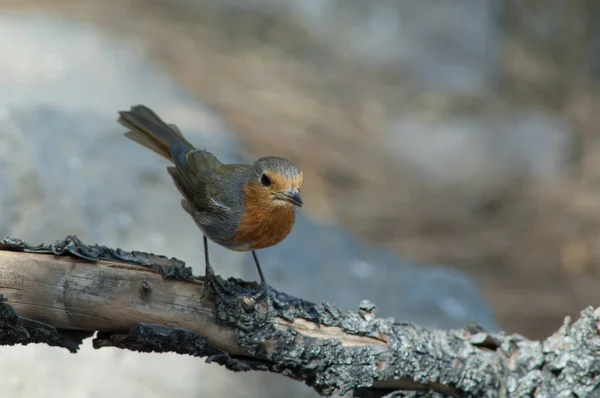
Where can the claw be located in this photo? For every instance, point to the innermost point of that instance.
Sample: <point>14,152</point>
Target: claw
<point>210,278</point>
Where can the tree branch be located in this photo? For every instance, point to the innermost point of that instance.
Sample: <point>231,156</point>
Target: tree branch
<point>61,293</point>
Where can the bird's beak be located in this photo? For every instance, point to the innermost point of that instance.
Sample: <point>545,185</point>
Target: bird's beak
<point>293,196</point>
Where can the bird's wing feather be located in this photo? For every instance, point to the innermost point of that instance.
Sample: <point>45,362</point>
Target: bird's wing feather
<point>206,183</point>
<point>200,161</point>
<point>192,191</point>
<point>226,185</point>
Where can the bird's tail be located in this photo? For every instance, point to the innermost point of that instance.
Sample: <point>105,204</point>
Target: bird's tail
<point>150,131</point>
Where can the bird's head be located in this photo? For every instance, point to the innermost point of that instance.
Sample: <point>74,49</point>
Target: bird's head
<point>276,180</point>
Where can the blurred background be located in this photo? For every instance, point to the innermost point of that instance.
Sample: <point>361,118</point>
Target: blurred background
<point>450,153</point>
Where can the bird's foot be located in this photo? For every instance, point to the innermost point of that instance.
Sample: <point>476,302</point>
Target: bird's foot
<point>266,294</point>
<point>210,278</point>
<point>264,291</point>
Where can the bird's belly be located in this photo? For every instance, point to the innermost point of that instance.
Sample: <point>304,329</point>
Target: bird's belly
<point>230,244</point>
<point>220,231</point>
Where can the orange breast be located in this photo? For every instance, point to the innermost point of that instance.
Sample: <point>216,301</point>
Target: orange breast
<point>263,223</point>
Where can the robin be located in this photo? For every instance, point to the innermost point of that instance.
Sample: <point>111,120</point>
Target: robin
<point>243,207</point>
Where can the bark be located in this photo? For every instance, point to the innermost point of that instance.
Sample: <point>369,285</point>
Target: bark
<point>61,293</point>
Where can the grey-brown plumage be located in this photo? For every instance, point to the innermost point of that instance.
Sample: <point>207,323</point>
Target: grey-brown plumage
<point>240,207</point>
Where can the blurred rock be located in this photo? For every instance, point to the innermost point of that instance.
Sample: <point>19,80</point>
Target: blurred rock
<point>478,155</point>
<point>450,46</point>
<point>442,46</point>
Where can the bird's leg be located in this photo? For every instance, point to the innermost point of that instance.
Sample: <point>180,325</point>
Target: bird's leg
<point>263,283</point>
<point>209,274</point>
<point>264,286</point>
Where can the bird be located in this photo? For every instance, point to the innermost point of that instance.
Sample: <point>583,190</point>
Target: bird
<point>242,207</point>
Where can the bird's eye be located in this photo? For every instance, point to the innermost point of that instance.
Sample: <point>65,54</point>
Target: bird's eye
<point>265,180</point>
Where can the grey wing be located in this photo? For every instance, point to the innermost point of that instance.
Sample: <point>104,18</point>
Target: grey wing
<point>216,208</point>
<point>190,174</point>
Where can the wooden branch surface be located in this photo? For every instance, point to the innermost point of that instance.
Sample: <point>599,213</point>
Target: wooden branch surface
<point>106,296</point>
<point>150,303</point>
<point>113,297</point>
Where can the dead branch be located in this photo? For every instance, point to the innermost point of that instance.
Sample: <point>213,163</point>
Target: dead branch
<point>59,294</point>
